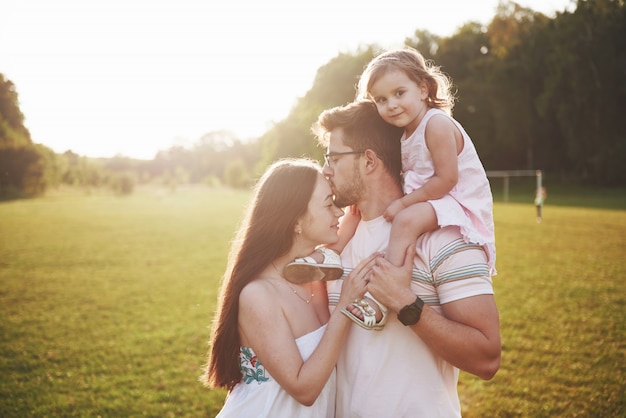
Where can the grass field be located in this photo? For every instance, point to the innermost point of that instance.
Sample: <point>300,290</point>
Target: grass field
<point>105,305</point>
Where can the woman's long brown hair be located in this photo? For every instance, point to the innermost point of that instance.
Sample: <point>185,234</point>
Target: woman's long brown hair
<point>280,199</point>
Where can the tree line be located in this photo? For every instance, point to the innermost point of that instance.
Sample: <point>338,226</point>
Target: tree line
<point>533,92</point>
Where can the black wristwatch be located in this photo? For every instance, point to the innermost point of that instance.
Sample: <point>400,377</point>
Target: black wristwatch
<point>410,314</point>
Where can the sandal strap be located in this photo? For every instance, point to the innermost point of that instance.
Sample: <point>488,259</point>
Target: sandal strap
<point>308,260</point>
<point>330,256</point>
<point>383,308</point>
<point>369,314</point>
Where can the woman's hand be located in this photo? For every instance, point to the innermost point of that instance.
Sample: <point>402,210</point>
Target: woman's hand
<point>355,285</point>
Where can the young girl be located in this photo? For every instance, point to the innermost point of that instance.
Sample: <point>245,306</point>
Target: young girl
<point>444,180</point>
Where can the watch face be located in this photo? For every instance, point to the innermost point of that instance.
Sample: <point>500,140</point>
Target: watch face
<point>412,315</point>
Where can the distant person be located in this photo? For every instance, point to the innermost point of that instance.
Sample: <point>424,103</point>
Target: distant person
<point>444,314</point>
<point>444,180</point>
<point>274,345</point>
<point>540,197</point>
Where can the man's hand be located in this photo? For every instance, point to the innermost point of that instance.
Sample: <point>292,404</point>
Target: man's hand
<point>390,285</point>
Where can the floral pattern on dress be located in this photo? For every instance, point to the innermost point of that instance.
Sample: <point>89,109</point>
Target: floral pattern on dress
<point>251,367</point>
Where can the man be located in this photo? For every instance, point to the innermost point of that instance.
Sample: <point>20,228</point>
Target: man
<point>443,294</point>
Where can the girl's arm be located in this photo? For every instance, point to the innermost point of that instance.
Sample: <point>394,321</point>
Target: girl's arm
<point>262,320</point>
<point>445,142</point>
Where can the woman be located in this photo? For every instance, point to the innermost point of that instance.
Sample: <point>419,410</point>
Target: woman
<point>275,344</point>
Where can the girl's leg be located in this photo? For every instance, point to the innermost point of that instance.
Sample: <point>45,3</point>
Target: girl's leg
<point>409,224</point>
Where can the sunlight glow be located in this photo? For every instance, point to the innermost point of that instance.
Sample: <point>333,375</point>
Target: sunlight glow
<point>132,77</point>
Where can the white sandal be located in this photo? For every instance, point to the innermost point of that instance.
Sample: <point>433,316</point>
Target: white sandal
<point>304,270</point>
<point>369,314</point>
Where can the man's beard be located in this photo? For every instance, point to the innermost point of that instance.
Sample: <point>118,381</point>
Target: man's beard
<point>350,193</point>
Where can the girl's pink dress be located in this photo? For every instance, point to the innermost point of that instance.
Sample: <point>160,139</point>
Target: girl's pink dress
<point>469,204</point>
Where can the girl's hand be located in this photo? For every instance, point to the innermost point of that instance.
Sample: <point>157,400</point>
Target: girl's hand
<point>350,219</point>
<point>354,209</point>
<point>393,209</point>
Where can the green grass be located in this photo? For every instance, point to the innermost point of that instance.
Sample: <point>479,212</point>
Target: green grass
<point>105,305</point>
<point>561,295</point>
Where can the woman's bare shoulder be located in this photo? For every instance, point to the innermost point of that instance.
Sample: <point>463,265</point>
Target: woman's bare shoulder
<point>261,288</point>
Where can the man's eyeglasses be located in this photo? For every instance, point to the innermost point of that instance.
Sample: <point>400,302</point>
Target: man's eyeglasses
<point>332,157</point>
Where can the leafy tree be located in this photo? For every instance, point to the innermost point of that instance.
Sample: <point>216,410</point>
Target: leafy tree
<point>22,172</point>
<point>585,89</point>
<point>515,81</point>
<point>81,171</point>
<point>12,129</point>
<point>425,42</point>
<point>53,166</point>
<point>22,164</point>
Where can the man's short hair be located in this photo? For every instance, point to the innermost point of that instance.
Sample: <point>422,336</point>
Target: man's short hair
<point>363,128</point>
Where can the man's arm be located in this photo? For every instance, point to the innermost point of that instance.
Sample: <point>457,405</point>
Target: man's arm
<point>467,335</point>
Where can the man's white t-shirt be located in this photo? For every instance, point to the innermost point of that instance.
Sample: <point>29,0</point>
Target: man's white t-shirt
<point>392,373</point>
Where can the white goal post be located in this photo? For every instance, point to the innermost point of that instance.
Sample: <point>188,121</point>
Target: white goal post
<point>507,174</point>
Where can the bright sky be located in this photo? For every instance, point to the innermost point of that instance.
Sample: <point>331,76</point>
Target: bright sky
<point>131,77</point>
